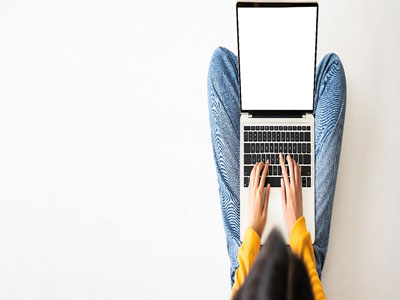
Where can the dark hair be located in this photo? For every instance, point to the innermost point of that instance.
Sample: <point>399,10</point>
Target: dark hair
<point>276,274</point>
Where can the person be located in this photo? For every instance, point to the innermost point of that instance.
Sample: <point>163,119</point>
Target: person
<point>329,116</point>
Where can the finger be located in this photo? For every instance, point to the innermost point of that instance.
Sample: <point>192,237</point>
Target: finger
<point>291,169</point>
<point>260,165</point>
<point>264,174</point>
<point>252,175</point>
<point>266,199</point>
<point>299,175</point>
<point>283,194</point>
<point>284,172</point>
<point>296,172</point>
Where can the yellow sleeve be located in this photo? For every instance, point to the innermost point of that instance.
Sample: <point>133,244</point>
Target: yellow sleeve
<point>300,242</point>
<point>248,252</point>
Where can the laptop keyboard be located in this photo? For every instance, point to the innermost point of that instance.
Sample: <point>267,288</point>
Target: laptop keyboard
<point>266,142</point>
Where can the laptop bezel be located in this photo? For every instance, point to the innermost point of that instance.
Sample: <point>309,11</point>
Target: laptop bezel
<point>277,113</point>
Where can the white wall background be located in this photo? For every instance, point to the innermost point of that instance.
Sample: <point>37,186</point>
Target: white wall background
<point>107,181</point>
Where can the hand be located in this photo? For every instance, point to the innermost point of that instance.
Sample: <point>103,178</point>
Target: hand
<point>257,211</point>
<point>292,198</point>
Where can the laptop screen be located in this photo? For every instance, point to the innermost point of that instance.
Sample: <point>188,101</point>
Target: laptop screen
<point>277,57</point>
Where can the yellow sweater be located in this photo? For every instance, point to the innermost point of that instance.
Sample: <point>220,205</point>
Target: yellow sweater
<point>300,243</point>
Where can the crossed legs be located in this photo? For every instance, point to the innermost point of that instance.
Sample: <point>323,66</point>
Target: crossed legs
<point>224,113</point>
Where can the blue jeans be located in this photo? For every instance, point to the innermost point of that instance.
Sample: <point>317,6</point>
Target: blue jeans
<point>224,110</point>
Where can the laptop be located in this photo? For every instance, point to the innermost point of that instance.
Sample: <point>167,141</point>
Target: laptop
<point>277,44</point>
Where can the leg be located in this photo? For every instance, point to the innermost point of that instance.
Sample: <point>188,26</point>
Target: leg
<point>330,107</point>
<point>224,110</point>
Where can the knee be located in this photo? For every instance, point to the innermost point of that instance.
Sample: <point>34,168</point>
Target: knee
<point>334,78</point>
<point>221,64</point>
<point>219,59</point>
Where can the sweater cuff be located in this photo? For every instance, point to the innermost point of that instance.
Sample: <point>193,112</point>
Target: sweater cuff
<point>299,229</point>
<point>251,240</point>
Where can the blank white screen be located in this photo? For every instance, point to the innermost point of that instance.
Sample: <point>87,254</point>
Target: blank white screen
<point>277,52</point>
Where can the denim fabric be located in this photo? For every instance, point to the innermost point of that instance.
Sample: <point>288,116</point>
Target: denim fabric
<point>224,112</point>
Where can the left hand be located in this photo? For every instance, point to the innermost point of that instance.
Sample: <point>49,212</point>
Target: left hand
<point>257,211</point>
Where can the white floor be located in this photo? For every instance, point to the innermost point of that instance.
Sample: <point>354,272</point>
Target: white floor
<point>107,182</point>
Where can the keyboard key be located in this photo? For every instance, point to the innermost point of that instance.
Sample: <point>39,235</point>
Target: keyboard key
<point>294,148</point>
<point>290,128</point>
<point>296,136</point>
<point>296,157</point>
<point>300,159</point>
<point>246,136</point>
<point>246,181</point>
<point>308,148</point>
<point>304,181</point>
<point>307,159</point>
<point>285,148</point>
<point>268,157</point>
<point>276,148</point>
<point>279,170</point>
<point>273,181</point>
<point>266,127</point>
<point>250,136</point>
<point>290,148</point>
<point>259,137</point>
<point>257,148</point>
<point>278,136</point>
<point>253,159</point>
<point>292,136</point>
<point>277,159</point>
<point>263,158</point>
<point>266,147</point>
<point>246,148</point>
<point>307,137</point>
<point>298,127</point>
<point>269,136</point>
<point>262,148</point>
<point>274,170</point>
<point>247,170</point>
<point>258,157</point>
<point>305,171</point>
<point>257,127</point>
<point>284,127</point>
<point>308,127</point>
<point>255,136</point>
<point>274,136</point>
<point>272,161</point>
<point>280,147</point>
<point>253,127</point>
<point>301,136</point>
<point>269,169</point>
<point>271,147</point>
<point>275,127</point>
<point>252,147</point>
<point>303,128</point>
<point>247,159</point>
<point>280,127</point>
<point>282,136</point>
<point>261,127</point>
<point>298,148</point>
<point>308,181</point>
<point>264,136</point>
<point>246,127</point>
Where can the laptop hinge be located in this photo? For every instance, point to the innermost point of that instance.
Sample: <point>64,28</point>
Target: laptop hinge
<point>307,114</point>
<point>276,114</point>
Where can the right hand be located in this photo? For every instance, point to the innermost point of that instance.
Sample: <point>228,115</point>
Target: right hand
<point>291,190</point>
